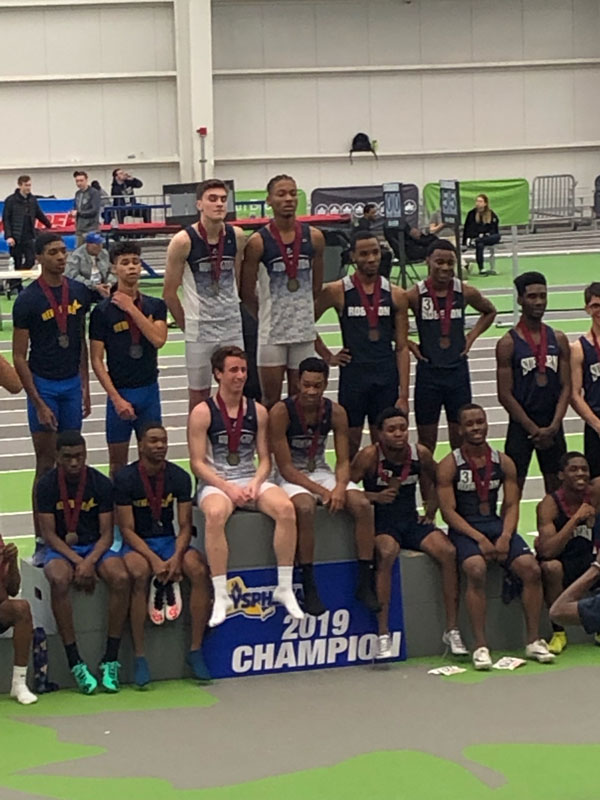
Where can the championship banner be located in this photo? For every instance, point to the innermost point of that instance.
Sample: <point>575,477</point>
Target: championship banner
<point>258,637</point>
<point>352,199</point>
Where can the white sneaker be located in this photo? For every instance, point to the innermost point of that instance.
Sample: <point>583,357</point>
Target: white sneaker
<point>453,641</point>
<point>384,646</point>
<point>221,606</point>
<point>538,651</point>
<point>22,695</point>
<point>482,659</point>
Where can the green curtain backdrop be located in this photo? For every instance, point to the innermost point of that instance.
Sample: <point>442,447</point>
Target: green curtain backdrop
<point>251,200</point>
<point>509,198</point>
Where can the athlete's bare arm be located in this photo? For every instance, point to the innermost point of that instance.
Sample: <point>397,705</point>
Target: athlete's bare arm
<point>177,253</point>
<point>365,461</point>
<point>487,313</point>
<point>578,400</point>
<point>331,296</point>
<point>279,421</point>
<point>511,497</point>
<point>20,345</point>
<point>412,300</point>
<point>9,378</point>
<point>262,445</point>
<point>400,301</point>
<point>241,240</point>
<point>564,373</point>
<point>551,542</point>
<point>339,424</point>
<point>318,243</point>
<point>253,254</point>
<point>427,482</point>
<point>505,385</point>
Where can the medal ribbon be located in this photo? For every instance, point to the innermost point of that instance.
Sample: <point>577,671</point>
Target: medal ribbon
<point>540,351</point>
<point>312,450</point>
<point>482,486</point>
<point>445,315</point>
<point>405,467</point>
<point>291,262</point>
<point>60,311</point>
<point>155,498</point>
<point>234,429</point>
<point>71,515</point>
<point>216,253</point>
<point>562,502</point>
<point>371,306</point>
<point>135,332</point>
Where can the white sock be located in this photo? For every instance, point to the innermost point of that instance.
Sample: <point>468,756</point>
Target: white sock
<point>19,688</point>
<point>284,577</point>
<point>284,593</point>
<point>222,602</point>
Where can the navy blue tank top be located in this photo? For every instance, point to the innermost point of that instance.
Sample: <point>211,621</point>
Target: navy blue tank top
<point>430,331</point>
<point>355,326</point>
<point>404,507</point>
<point>465,490</point>
<point>299,442</point>
<point>538,402</point>
<point>591,375</point>
<point>581,542</point>
<point>217,435</point>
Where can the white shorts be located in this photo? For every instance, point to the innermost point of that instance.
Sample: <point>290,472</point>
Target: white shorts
<point>324,478</point>
<point>197,362</point>
<point>206,491</point>
<point>284,355</point>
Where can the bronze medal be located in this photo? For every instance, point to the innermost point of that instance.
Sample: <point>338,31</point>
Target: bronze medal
<point>541,379</point>
<point>233,458</point>
<point>136,351</point>
<point>444,342</point>
<point>71,538</point>
<point>373,334</point>
<point>312,465</point>
<point>484,509</point>
<point>293,284</point>
<point>63,340</point>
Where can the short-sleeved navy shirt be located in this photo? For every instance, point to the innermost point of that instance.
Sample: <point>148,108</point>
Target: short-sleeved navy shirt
<point>33,312</point>
<point>97,499</point>
<point>129,491</point>
<point>109,324</point>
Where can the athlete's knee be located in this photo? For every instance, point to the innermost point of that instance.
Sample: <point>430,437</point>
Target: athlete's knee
<point>215,515</point>
<point>551,570</point>
<point>387,550</point>
<point>118,579</point>
<point>285,513</point>
<point>139,572</point>
<point>304,505</point>
<point>59,580</point>
<point>358,505</point>
<point>443,550</point>
<point>21,611</point>
<point>529,570</point>
<point>195,567</point>
<point>475,571</point>
<point>44,462</point>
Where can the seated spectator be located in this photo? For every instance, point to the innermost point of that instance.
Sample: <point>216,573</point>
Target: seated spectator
<point>75,509</point>
<point>145,496</point>
<point>441,229</point>
<point>15,614</point>
<point>89,264</point>
<point>87,206</point>
<point>481,229</point>
<point>121,191</point>
<point>416,242</point>
<point>565,544</point>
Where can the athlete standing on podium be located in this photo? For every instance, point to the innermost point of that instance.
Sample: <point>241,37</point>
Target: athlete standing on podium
<point>282,276</point>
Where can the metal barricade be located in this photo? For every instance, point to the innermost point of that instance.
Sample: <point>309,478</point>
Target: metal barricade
<point>133,208</point>
<point>552,201</point>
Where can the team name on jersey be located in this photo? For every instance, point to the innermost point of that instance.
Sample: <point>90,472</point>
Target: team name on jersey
<point>529,364</point>
<point>595,371</point>
<point>278,265</point>
<point>467,484</point>
<point>245,438</point>
<point>359,311</point>
<point>302,442</point>
<point>73,309</point>
<point>144,503</point>
<point>584,532</point>
<point>87,505</point>
<point>409,481</point>
<point>428,311</point>
<point>205,264</point>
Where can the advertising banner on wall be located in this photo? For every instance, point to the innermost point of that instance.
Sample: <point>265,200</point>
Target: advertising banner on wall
<point>57,211</point>
<point>259,637</point>
<point>509,198</point>
<point>351,200</point>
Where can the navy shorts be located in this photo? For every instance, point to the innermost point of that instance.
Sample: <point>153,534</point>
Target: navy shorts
<point>64,398</point>
<point>490,528</point>
<point>82,550</point>
<point>365,391</point>
<point>436,388</point>
<point>162,546</point>
<point>520,448</point>
<point>146,403</point>
<point>409,534</point>
<point>591,448</point>
<point>589,613</point>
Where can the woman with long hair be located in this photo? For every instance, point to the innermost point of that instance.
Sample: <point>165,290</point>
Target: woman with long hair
<point>481,229</point>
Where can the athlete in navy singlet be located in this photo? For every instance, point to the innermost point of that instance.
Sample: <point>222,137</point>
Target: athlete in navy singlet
<point>205,260</point>
<point>565,542</point>
<point>534,384</point>
<point>468,483</point>
<point>585,380</point>
<point>442,378</point>
<point>374,362</point>
<point>298,431</point>
<point>390,471</point>
<point>224,435</point>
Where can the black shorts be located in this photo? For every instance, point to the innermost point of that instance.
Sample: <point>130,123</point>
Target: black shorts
<point>520,448</point>
<point>591,449</point>
<point>409,535</point>
<point>589,613</point>
<point>435,387</point>
<point>574,566</point>
<point>490,528</point>
<point>365,391</point>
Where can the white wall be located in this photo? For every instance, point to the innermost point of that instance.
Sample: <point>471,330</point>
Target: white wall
<point>449,88</point>
<point>89,86</point>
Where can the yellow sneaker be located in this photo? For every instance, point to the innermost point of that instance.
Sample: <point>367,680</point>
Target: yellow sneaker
<point>558,642</point>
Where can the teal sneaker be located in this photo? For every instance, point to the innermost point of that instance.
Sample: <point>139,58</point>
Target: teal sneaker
<point>109,675</point>
<point>86,683</point>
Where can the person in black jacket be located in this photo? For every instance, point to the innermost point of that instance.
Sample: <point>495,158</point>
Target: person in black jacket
<point>481,228</point>
<point>122,188</point>
<point>21,210</point>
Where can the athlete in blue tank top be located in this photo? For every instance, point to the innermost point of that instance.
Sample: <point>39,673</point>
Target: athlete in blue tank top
<point>565,543</point>
<point>374,362</point>
<point>390,471</point>
<point>585,383</point>
<point>225,433</point>
<point>442,380</point>
<point>534,384</point>
<point>282,276</point>
<point>298,431</point>
<point>468,481</point>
